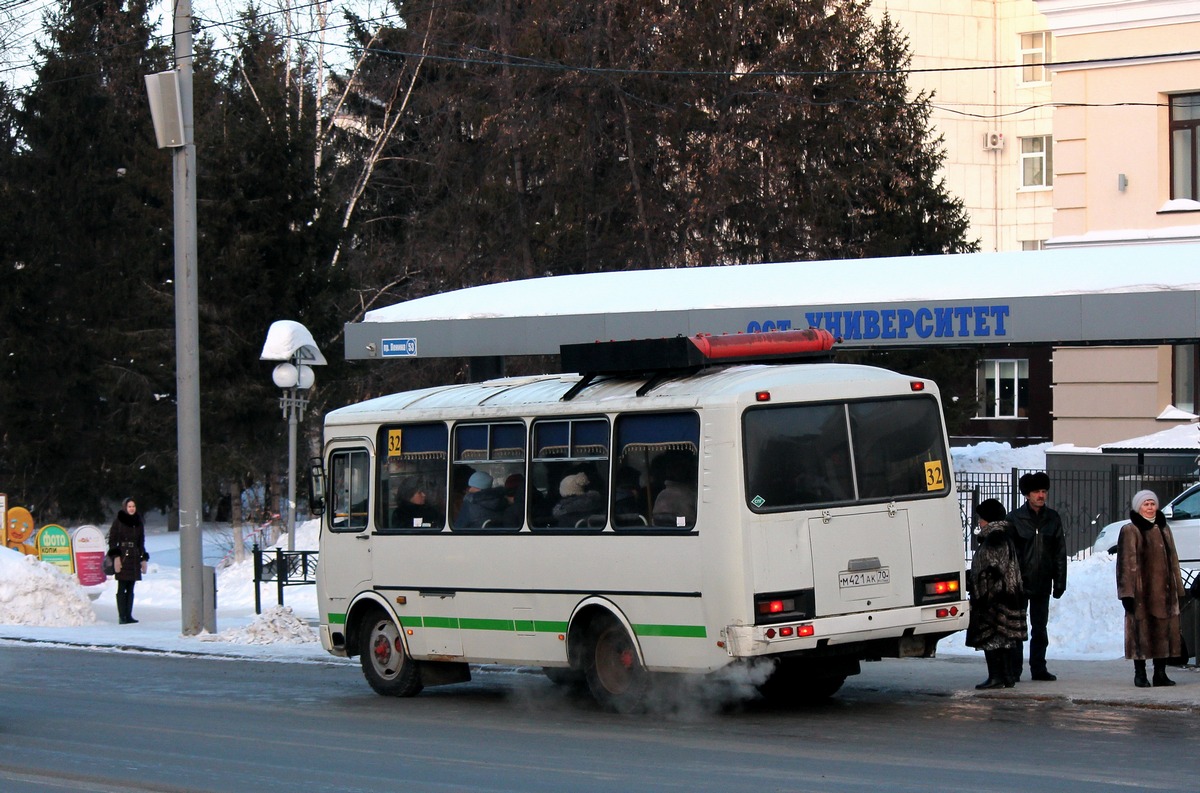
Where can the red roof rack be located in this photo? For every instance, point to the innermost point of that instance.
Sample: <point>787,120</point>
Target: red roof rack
<point>657,357</point>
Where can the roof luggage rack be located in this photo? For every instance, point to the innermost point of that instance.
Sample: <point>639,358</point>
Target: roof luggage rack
<point>658,359</point>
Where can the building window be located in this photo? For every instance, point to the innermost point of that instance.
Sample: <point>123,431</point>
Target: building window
<point>1035,54</point>
<point>1004,388</point>
<point>1037,161</point>
<point>1185,146</point>
<point>1183,386</point>
<point>1033,245</point>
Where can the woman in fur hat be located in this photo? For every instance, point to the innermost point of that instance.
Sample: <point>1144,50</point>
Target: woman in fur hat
<point>127,548</point>
<point>997,622</point>
<point>1149,585</point>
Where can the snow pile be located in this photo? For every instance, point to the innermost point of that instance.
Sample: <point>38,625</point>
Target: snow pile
<point>35,593</point>
<point>994,458</point>
<point>277,625</point>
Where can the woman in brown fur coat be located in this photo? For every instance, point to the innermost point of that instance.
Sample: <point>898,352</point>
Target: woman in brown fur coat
<point>1149,586</point>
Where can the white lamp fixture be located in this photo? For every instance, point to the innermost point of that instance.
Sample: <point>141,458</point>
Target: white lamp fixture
<point>292,344</point>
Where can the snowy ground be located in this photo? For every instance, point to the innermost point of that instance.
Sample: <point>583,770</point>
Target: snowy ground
<point>38,602</point>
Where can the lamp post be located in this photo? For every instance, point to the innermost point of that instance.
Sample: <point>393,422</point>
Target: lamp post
<point>290,343</point>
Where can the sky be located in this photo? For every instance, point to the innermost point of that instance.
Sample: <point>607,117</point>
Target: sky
<point>39,602</point>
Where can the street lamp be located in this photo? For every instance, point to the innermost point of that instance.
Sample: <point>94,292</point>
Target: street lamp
<point>291,343</point>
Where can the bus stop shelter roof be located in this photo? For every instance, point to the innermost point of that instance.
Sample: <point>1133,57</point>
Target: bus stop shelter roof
<point>1142,293</point>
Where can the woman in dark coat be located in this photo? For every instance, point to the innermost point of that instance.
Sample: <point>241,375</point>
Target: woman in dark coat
<point>127,549</point>
<point>1149,585</point>
<point>997,621</point>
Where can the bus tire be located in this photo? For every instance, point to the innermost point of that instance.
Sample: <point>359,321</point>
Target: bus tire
<point>388,667</point>
<point>615,675</point>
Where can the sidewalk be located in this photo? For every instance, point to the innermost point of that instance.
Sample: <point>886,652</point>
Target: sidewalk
<point>1107,682</point>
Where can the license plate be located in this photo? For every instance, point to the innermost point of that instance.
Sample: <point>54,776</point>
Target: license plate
<point>848,579</point>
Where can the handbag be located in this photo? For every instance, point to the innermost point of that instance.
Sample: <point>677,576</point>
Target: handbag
<point>109,569</point>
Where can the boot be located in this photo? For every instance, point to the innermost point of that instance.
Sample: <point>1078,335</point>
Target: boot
<point>1160,673</point>
<point>1139,674</point>
<point>994,679</point>
<point>122,611</point>
<point>129,606</point>
<point>1007,672</point>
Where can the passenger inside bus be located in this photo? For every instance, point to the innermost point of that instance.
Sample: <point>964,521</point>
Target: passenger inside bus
<point>482,502</point>
<point>411,510</point>
<point>580,503</point>
<point>675,504</point>
<point>629,498</point>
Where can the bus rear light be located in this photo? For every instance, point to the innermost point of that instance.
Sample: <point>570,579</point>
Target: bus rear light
<point>917,385</point>
<point>776,606</point>
<point>770,633</point>
<point>762,396</point>
<point>941,587</point>
<point>787,631</point>
<point>937,588</point>
<point>804,630</point>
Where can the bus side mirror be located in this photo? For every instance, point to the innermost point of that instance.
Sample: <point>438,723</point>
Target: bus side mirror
<point>316,487</point>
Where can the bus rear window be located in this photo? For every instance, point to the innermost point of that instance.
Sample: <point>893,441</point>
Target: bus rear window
<point>872,450</point>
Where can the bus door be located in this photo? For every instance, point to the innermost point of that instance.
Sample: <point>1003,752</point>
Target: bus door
<point>345,567</point>
<point>861,560</point>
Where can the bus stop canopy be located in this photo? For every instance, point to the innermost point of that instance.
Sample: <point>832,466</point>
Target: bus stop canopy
<point>1142,293</point>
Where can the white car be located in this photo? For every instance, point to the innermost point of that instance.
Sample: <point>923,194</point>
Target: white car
<point>1183,516</point>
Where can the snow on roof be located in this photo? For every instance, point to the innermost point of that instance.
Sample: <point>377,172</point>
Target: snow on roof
<point>1071,271</point>
<point>1184,437</point>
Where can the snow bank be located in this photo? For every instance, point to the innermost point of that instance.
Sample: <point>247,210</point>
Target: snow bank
<point>35,593</point>
<point>277,625</point>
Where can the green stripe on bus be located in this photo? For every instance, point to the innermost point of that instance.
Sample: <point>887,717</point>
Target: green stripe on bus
<point>674,631</point>
<point>531,626</point>
<point>469,624</point>
<point>440,622</point>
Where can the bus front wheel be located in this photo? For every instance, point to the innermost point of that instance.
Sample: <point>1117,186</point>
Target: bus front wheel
<point>615,675</point>
<point>386,664</point>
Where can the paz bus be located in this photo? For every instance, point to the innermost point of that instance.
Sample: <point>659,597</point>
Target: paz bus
<point>676,506</point>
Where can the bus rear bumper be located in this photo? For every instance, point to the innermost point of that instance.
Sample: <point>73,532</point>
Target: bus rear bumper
<point>896,633</point>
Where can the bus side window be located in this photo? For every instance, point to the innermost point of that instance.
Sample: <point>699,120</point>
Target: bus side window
<point>412,477</point>
<point>349,489</point>
<point>568,472</point>
<point>657,470</point>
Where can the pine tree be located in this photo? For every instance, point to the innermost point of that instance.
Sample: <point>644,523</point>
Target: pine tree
<point>88,369</point>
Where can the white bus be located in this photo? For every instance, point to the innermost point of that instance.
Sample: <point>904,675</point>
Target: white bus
<point>674,511</point>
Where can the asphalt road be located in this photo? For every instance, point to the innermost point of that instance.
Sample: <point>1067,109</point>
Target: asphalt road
<point>76,720</point>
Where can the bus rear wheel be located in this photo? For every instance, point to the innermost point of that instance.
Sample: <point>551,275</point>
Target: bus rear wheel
<point>388,667</point>
<point>615,675</point>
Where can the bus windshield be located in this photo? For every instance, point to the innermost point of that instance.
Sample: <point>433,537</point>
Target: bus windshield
<point>799,456</point>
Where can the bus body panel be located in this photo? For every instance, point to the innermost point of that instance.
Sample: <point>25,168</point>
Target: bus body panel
<point>689,598</point>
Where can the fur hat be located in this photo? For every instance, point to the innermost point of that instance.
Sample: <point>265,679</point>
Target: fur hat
<point>480,480</point>
<point>515,482</point>
<point>408,488</point>
<point>991,510</point>
<point>1031,482</point>
<point>1143,495</point>
<point>573,485</point>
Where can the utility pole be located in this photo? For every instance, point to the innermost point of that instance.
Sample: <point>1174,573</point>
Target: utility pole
<point>187,339</point>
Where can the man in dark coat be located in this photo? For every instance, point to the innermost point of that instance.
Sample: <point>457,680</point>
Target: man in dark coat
<point>1037,532</point>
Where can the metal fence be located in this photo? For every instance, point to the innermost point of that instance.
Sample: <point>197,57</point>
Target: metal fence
<point>285,568</point>
<point>1087,500</point>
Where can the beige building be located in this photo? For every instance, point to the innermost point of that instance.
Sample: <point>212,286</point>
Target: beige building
<point>984,63</point>
<point>1126,84</point>
<point>1071,123</point>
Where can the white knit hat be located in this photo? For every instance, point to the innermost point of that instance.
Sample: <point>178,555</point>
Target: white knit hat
<point>573,485</point>
<point>1143,495</point>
